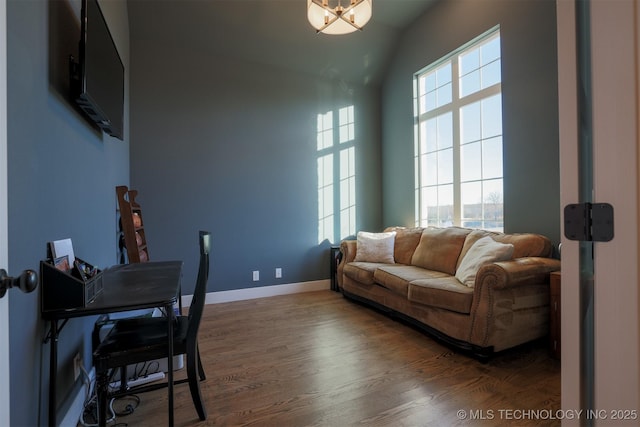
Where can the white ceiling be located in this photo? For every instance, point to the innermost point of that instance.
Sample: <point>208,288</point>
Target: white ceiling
<point>276,32</point>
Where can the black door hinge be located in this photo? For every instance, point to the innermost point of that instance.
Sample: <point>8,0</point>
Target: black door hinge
<point>590,222</point>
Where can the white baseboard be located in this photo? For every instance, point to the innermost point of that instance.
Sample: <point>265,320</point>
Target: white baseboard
<point>72,417</point>
<point>261,292</point>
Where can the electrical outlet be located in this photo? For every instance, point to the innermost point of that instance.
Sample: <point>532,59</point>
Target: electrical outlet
<point>256,276</point>
<point>278,273</point>
<point>77,366</point>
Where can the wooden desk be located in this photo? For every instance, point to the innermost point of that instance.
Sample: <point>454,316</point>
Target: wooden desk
<point>125,287</point>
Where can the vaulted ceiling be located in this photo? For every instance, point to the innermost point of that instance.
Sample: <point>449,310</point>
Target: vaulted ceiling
<point>276,32</point>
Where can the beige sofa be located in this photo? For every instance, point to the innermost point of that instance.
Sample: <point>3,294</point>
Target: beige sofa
<point>503,302</point>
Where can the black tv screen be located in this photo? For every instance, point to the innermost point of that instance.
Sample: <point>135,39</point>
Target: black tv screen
<point>101,91</point>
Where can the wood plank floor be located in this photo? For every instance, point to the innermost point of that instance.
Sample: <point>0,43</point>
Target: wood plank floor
<point>317,359</point>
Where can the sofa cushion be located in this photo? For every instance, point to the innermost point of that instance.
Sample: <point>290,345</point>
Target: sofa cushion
<point>361,271</point>
<point>524,244</point>
<point>407,240</point>
<point>439,249</point>
<point>483,251</point>
<point>443,292</point>
<point>396,277</point>
<point>375,247</point>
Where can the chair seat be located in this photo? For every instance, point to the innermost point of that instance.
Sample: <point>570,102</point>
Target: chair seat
<point>146,336</point>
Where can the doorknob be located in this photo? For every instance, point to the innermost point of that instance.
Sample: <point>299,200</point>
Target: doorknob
<point>27,281</point>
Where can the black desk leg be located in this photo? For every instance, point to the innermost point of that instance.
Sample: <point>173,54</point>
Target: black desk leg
<point>53,372</point>
<point>170,318</point>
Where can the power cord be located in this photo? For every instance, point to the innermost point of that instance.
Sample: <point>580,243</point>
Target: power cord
<point>134,402</point>
<point>89,415</point>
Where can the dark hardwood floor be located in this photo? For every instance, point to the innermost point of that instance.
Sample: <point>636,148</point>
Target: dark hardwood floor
<point>317,359</point>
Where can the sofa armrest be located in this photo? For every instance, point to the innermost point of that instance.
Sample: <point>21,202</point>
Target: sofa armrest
<point>510,302</point>
<point>506,274</point>
<point>348,249</point>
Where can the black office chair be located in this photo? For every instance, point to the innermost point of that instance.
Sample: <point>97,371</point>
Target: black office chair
<point>137,340</point>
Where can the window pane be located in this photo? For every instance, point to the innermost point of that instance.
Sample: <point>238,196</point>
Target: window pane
<point>431,134</point>
<point>422,83</point>
<point>445,130</point>
<point>445,166</point>
<point>470,162</point>
<point>491,74</point>
<point>430,101</point>
<point>490,51</point>
<point>470,123</point>
<point>492,158</point>
<point>491,116</point>
<point>469,83</point>
<point>429,82</point>
<point>430,169</point>
<point>471,194</point>
<point>469,61</point>
<point>445,208</point>
<point>492,189</point>
<point>423,139</point>
<point>430,203</point>
<point>444,95</point>
<point>494,213</point>
<point>443,74</point>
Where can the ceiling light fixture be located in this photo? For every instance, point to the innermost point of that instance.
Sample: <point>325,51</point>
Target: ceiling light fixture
<point>339,19</point>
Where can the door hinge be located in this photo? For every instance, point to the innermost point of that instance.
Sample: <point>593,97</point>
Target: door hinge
<point>590,222</point>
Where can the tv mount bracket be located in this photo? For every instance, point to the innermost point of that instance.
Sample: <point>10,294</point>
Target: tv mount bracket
<point>589,222</point>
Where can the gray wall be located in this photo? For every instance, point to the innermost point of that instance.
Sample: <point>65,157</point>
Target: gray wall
<point>530,106</point>
<point>230,146</point>
<point>61,175</point>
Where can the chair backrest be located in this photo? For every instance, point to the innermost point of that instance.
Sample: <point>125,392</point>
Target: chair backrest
<point>197,302</point>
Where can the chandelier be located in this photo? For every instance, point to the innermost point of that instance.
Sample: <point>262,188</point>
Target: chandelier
<point>339,19</point>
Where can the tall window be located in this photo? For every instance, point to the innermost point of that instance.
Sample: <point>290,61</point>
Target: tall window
<point>458,153</point>
<point>336,164</point>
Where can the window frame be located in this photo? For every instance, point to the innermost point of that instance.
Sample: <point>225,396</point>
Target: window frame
<point>454,107</point>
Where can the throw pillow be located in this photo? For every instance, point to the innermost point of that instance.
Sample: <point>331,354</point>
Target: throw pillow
<point>407,240</point>
<point>439,249</point>
<point>483,251</point>
<point>375,247</point>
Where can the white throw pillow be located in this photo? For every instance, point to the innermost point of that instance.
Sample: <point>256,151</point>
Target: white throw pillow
<point>375,247</point>
<point>483,251</point>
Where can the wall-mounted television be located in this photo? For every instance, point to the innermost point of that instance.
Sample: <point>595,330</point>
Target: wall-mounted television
<point>98,78</point>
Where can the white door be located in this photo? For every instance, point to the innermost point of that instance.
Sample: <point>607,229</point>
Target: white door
<point>613,384</point>
<point>4,302</point>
